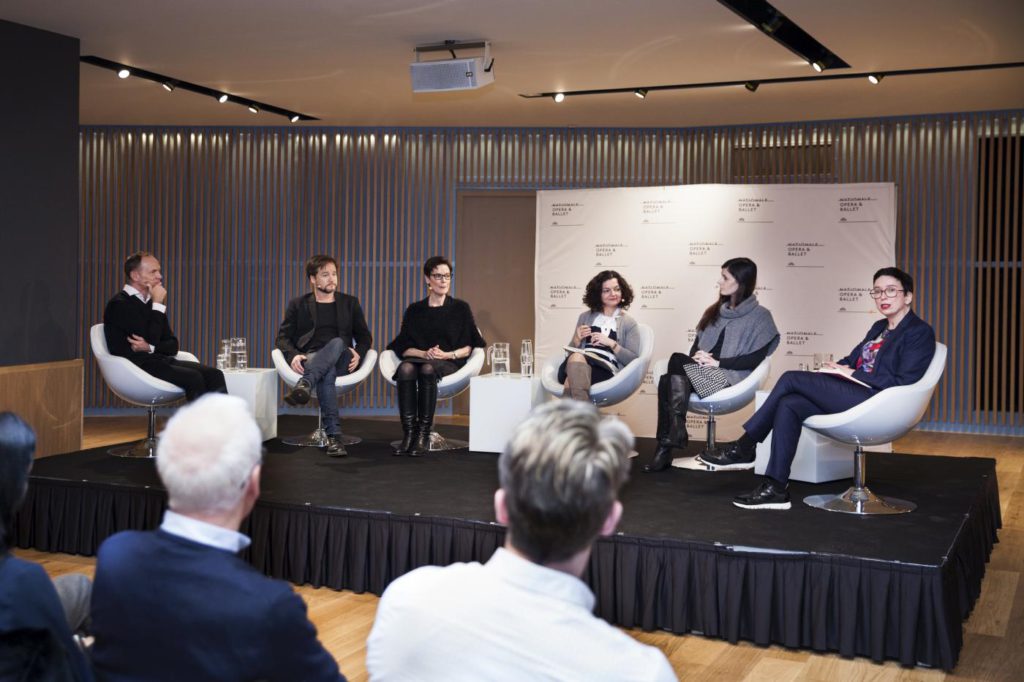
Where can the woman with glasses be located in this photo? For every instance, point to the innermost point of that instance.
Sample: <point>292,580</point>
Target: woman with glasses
<point>895,352</point>
<point>437,335</point>
<point>734,335</point>
<point>606,337</point>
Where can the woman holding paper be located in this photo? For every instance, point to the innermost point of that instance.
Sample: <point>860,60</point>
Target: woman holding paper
<point>734,335</point>
<point>606,338</point>
<point>895,352</point>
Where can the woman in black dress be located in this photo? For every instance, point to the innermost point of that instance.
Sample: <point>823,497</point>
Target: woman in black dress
<point>437,335</point>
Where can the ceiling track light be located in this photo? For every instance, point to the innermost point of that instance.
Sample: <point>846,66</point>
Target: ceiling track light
<point>170,84</point>
<point>818,65</point>
<point>640,93</point>
<point>752,85</point>
<point>875,78</point>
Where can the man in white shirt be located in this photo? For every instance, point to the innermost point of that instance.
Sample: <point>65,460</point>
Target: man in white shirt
<point>136,327</point>
<point>525,614</point>
<point>178,603</point>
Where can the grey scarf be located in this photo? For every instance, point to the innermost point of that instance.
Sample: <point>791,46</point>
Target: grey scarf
<point>750,327</point>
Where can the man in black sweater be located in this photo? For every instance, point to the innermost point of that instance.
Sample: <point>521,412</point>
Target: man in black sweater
<point>323,336</point>
<point>135,324</point>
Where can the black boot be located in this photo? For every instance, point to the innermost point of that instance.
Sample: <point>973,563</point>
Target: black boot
<point>426,403</point>
<point>673,400</point>
<point>299,394</point>
<point>407,415</point>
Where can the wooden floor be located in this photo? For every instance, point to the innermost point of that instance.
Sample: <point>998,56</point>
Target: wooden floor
<point>993,636</point>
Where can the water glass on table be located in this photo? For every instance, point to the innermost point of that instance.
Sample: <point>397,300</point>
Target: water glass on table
<point>526,358</point>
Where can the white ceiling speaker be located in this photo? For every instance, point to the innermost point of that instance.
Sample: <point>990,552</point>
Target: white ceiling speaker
<point>446,75</point>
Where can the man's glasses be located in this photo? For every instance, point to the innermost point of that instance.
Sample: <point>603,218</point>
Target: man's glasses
<point>441,276</point>
<point>889,292</point>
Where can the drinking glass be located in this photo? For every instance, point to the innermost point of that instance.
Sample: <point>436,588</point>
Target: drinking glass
<point>238,351</point>
<point>225,350</point>
<point>819,360</point>
<point>526,358</point>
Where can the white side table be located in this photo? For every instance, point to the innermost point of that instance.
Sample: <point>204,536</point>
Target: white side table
<point>257,387</point>
<point>496,406</point>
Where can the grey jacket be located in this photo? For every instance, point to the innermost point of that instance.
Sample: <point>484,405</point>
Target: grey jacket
<point>627,335</point>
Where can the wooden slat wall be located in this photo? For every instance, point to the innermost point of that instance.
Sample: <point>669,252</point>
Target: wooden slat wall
<point>234,212</point>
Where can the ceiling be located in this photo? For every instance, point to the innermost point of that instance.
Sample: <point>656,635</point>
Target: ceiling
<point>346,61</point>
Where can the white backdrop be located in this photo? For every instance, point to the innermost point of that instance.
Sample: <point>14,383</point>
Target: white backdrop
<point>816,247</point>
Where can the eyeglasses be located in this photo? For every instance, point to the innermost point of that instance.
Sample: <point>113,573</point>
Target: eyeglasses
<point>889,292</point>
<point>441,276</point>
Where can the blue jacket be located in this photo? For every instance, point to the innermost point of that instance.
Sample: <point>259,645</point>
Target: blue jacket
<point>167,608</point>
<point>904,356</point>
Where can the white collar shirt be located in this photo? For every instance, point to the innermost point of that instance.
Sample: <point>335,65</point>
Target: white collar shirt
<point>508,619</point>
<point>204,533</point>
<point>132,291</point>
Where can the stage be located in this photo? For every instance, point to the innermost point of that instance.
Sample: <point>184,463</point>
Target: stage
<point>684,560</point>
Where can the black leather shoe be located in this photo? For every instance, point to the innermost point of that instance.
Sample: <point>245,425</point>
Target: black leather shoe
<point>662,459</point>
<point>299,394</point>
<point>421,444</point>
<point>732,457</point>
<point>766,496</point>
<point>335,448</point>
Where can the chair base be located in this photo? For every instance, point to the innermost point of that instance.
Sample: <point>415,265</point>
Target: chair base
<point>860,501</point>
<point>144,449</point>
<point>318,439</point>
<point>439,443</point>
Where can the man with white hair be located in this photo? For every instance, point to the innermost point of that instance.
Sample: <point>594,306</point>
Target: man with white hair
<point>525,614</point>
<point>177,603</point>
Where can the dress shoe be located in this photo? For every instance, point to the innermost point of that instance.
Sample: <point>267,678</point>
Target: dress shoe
<point>299,393</point>
<point>731,457</point>
<point>768,495</point>
<point>334,447</point>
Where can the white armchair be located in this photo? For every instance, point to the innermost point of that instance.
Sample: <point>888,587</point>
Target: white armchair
<point>448,387</point>
<point>130,383</point>
<point>728,400</point>
<point>343,384</point>
<point>621,386</point>
<point>884,417</point>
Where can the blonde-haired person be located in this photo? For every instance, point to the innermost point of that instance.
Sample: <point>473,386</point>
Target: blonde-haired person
<point>525,614</point>
<point>178,603</point>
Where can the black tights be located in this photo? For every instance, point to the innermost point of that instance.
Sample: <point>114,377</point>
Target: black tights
<point>416,371</point>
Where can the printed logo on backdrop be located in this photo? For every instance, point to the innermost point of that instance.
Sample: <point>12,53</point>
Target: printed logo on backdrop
<point>607,255</point>
<point>705,253</point>
<point>857,209</point>
<point>855,300</point>
<point>805,255</point>
<point>755,209</point>
<point>565,296</point>
<point>659,212</point>
<point>655,297</point>
<point>567,214</point>
<point>800,340</point>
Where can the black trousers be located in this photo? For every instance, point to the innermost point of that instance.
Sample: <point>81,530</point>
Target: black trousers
<point>194,377</point>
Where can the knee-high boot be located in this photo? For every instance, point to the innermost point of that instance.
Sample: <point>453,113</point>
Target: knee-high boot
<point>577,376</point>
<point>673,400</point>
<point>407,415</point>
<point>426,403</point>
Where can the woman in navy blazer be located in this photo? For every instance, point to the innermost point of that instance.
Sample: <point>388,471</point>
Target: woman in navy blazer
<point>896,351</point>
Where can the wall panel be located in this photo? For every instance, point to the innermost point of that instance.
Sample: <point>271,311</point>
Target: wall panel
<point>234,212</point>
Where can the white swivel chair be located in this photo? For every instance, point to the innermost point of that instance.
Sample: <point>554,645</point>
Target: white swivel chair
<point>344,384</point>
<point>728,400</point>
<point>625,383</point>
<point>882,418</point>
<point>448,387</point>
<point>130,383</point>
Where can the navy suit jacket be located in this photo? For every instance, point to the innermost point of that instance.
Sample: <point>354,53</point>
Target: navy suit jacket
<point>167,608</point>
<point>32,621</point>
<point>904,356</point>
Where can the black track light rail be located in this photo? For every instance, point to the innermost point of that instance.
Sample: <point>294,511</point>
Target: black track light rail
<point>177,83</point>
<point>771,81</point>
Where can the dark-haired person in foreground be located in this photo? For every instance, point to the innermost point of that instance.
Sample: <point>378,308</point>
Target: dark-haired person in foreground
<point>895,352</point>
<point>136,327</point>
<point>734,335</point>
<point>525,614</point>
<point>604,331</point>
<point>37,617</point>
<point>317,337</point>
<point>437,335</point>
<point>178,603</point>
